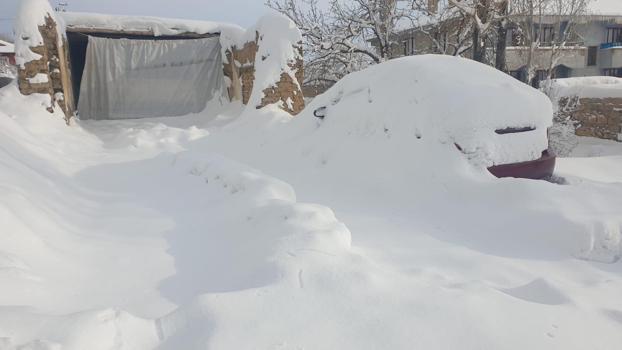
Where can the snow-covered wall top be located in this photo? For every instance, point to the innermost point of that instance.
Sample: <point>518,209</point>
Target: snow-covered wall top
<point>30,16</point>
<point>586,87</point>
<point>156,25</point>
<point>278,36</point>
<point>6,47</point>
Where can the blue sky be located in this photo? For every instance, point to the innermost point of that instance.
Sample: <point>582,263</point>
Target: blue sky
<point>242,12</point>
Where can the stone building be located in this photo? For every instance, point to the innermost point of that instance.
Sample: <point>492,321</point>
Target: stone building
<point>154,63</point>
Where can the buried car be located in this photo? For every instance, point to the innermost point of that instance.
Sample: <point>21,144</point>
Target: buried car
<point>494,120</point>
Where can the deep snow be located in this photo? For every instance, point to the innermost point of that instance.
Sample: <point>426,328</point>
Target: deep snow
<point>256,230</point>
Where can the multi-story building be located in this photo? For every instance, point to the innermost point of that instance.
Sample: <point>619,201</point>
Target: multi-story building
<point>594,47</point>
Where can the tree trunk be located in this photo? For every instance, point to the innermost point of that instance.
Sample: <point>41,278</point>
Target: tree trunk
<point>502,32</point>
<point>479,38</point>
<point>531,42</point>
<point>477,44</point>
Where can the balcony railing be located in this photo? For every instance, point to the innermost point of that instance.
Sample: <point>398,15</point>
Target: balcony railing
<point>610,45</point>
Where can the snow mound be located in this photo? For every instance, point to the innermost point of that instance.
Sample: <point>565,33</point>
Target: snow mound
<point>538,291</point>
<point>97,330</point>
<point>585,87</point>
<point>155,234</point>
<point>439,100</point>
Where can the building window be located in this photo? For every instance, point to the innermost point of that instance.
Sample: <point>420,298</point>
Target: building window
<point>517,37</point>
<point>405,43</point>
<point>541,75</point>
<point>547,35</point>
<point>613,72</point>
<point>614,35</point>
<point>517,74</point>
<point>592,54</point>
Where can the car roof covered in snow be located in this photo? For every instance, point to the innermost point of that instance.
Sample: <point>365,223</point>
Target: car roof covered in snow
<point>6,47</point>
<point>446,99</point>
<point>156,25</point>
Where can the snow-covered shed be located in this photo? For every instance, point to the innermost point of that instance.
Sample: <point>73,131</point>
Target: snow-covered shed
<point>7,51</point>
<point>117,67</point>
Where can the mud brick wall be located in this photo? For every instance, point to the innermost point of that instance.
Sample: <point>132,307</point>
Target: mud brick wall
<point>52,64</point>
<point>595,117</point>
<point>287,90</point>
<point>240,69</point>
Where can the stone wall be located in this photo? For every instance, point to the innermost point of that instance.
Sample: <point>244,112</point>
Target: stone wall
<point>287,91</point>
<point>595,117</point>
<point>53,65</point>
<point>240,70</point>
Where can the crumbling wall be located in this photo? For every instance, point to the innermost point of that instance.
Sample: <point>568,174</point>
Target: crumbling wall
<point>43,65</point>
<point>240,69</point>
<point>268,69</point>
<point>594,117</point>
<point>287,90</point>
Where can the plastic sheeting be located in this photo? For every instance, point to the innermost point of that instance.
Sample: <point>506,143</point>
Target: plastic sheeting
<point>126,78</point>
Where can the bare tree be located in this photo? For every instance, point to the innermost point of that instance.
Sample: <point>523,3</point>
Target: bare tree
<point>501,32</point>
<point>338,38</point>
<point>546,28</point>
<point>566,14</point>
<point>486,15</point>
<point>446,29</point>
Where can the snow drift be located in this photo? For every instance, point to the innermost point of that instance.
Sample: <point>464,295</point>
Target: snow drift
<point>183,233</point>
<point>584,87</point>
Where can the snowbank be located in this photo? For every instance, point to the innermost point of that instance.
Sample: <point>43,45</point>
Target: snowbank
<point>585,87</point>
<point>143,234</point>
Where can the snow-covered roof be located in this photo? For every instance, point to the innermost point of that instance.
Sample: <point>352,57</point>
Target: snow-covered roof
<point>156,25</point>
<point>6,47</point>
<point>586,87</point>
<point>606,7</point>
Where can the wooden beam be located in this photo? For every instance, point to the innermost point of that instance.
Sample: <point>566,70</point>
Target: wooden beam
<point>146,33</point>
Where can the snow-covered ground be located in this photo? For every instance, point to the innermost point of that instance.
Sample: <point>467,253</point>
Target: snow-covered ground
<point>260,231</point>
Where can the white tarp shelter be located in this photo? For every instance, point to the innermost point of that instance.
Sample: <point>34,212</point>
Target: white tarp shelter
<point>130,78</point>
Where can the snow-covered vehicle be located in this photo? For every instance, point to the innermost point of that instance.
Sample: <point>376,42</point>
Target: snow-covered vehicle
<point>493,119</point>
